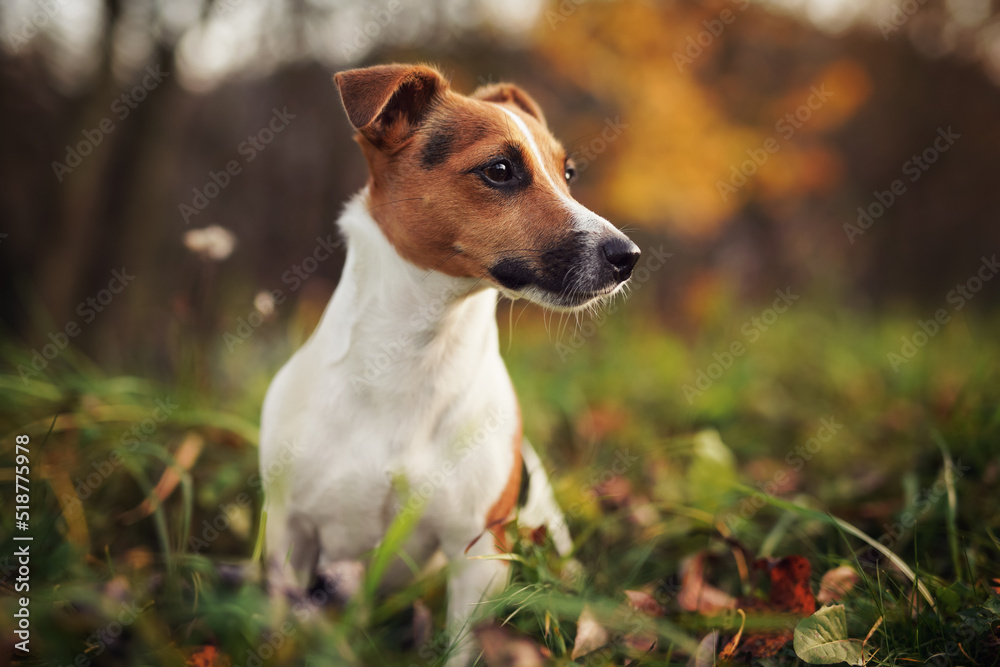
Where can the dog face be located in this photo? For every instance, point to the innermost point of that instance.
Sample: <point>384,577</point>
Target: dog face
<point>476,186</point>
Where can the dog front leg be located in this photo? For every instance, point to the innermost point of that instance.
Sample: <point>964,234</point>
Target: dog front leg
<point>292,551</point>
<point>471,581</point>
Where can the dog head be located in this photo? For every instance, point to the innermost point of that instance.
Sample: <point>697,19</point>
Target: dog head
<point>476,186</point>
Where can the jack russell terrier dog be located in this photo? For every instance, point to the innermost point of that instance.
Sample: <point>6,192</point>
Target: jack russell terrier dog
<point>400,400</point>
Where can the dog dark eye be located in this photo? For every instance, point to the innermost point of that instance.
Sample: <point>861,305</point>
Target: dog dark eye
<point>499,172</point>
<point>570,173</point>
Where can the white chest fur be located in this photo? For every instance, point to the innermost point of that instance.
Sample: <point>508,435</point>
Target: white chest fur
<point>402,384</point>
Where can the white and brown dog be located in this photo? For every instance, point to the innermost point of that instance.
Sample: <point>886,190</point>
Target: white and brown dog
<point>400,399</point>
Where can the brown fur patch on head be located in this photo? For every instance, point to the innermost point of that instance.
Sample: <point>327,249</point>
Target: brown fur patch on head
<point>508,93</point>
<point>386,103</point>
<point>428,148</point>
<point>436,208</point>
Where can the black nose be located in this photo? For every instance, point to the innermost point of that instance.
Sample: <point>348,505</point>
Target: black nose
<point>622,254</point>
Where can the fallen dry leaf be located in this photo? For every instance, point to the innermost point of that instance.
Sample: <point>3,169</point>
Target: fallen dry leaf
<point>590,634</point>
<point>614,494</point>
<point>871,632</point>
<point>836,583</point>
<point>184,459</point>
<point>705,655</point>
<point>641,642</point>
<point>728,651</point>
<point>790,595</point>
<point>644,602</point>
<point>790,590</point>
<point>502,648</point>
<point>208,656</point>
<point>696,594</point>
<point>767,644</point>
<point>57,462</point>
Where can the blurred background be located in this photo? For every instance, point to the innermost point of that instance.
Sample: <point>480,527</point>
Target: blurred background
<point>812,324</point>
<point>118,114</point>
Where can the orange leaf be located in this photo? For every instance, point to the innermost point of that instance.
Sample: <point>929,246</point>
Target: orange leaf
<point>728,652</point>
<point>184,459</point>
<point>790,594</point>
<point>766,644</point>
<point>208,656</point>
<point>790,589</point>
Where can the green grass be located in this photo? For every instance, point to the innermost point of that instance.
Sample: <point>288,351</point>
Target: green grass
<point>808,439</point>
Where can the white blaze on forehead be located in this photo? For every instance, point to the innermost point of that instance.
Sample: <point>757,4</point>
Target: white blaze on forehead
<point>584,219</point>
<point>521,125</point>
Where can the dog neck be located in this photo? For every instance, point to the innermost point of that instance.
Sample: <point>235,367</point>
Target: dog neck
<point>396,325</point>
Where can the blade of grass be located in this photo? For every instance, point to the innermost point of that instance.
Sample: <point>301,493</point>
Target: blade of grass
<point>235,424</point>
<point>952,513</point>
<point>159,515</point>
<point>395,538</point>
<point>874,592</point>
<point>508,557</point>
<point>358,610</point>
<point>773,538</point>
<point>43,390</point>
<point>48,434</point>
<point>133,465</point>
<point>258,547</point>
<point>187,511</point>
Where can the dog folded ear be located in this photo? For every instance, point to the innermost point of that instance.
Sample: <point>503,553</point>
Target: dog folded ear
<point>510,94</point>
<point>386,103</point>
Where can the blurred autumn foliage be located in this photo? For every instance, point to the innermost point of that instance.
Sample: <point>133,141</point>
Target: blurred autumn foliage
<point>743,136</point>
<point>681,141</point>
